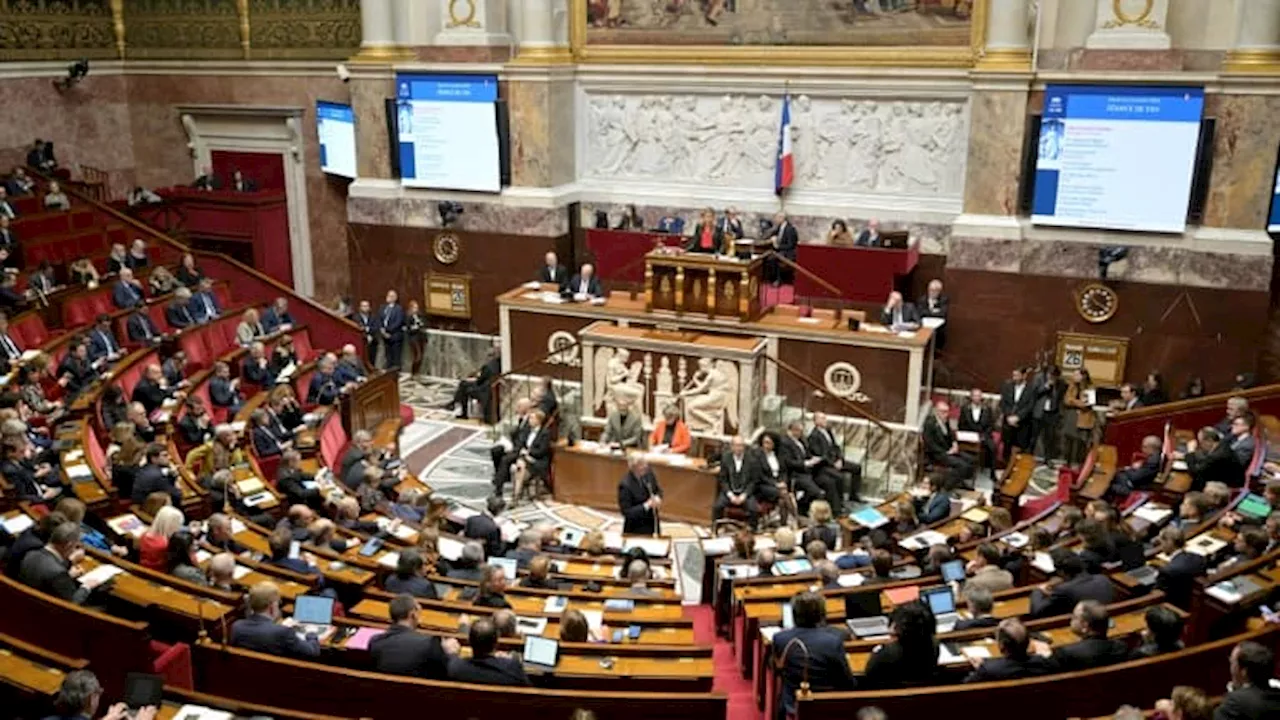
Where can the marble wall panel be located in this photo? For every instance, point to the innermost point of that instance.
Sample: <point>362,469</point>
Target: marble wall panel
<point>999,119</point>
<point>542,131</point>
<point>422,212</point>
<point>1244,156</point>
<point>373,146</point>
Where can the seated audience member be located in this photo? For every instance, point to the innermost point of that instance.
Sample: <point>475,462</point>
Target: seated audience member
<point>8,244</point>
<point>350,367</point>
<point>222,572</point>
<point>55,198</point>
<point>142,196</point>
<point>137,258</point>
<point>822,525</point>
<point>1185,703</point>
<point>11,301</point>
<point>980,603</point>
<point>156,476</point>
<point>279,544</point>
<point>671,432</point>
<point>102,341</point>
<point>1191,511</point>
<point>41,281</point>
<point>6,210</point>
<point>33,538</point>
<point>839,235</point>
<point>404,650</point>
<point>533,457</point>
<point>623,428</point>
<point>1210,459</point>
<point>152,390</point>
<point>528,546</point>
<point>937,505</point>
<point>477,387</point>
<point>1163,633</point>
<point>188,274</point>
<point>174,370</point>
<point>277,316</point>
<point>297,486</point>
<point>82,272</point>
<point>1177,577</point>
<point>410,576</point>
<point>128,291</point>
<point>325,388</point>
<point>207,181</point>
<point>54,569</point>
<point>262,632</point>
<point>284,411</point>
<point>266,443</point>
<point>941,447</point>
<point>539,576</point>
<point>204,303</point>
<point>1091,623</point>
<point>898,313</point>
<point>80,697</point>
<point>811,651</point>
<point>153,543</point>
<point>1014,662</point>
<point>870,235</point>
<point>911,658</point>
<point>20,183</point>
<point>574,627</point>
<point>493,588</point>
<point>178,311</point>
<point>1216,496</point>
<point>195,427</point>
<point>505,453</point>
<point>161,281</point>
<point>117,258</point>
<point>638,577</point>
<point>765,560</point>
<point>739,479</point>
<point>585,285</point>
<point>284,357</point>
<point>218,534</point>
<point>240,183</point>
<point>830,575</point>
<point>361,455</point>
<point>552,272</point>
<point>1250,544</point>
<point>250,328</point>
<point>41,156</point>
<point>469,564</point>
<point>142,329</point>
<point>1241,438</point>
<point>881,565</point>
<point>1251,695</point>
<point>933,304</point>
<point>1129,398</point>
<point>1153,392</point>
<point>181,561</point>
<point>224,390</point>
<point>298,521</point>
<point>1141,473</point>
<point>1077,586</point>
<point>484,667</point>
<point>136,414</point>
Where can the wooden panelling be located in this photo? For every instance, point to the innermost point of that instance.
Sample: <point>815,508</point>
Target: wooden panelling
<point>882,374</point>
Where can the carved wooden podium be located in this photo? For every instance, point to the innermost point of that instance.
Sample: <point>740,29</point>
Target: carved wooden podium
<point>701,284</point>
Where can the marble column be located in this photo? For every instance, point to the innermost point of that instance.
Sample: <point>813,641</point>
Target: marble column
<point>542,26</point>
<point>1131,25</point>
<point>1008,45</point>
<point>1257,43</point>
<point>377,30</point>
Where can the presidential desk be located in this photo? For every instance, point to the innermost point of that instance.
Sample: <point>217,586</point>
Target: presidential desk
<point>889,374</point>
<point>588,475</point>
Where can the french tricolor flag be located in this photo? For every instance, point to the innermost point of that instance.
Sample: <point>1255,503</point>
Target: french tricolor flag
<point>785,173</point>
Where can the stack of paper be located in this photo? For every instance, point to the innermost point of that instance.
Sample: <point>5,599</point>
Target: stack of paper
<point>389,559</point>
<point>555,604</point>
<point>99,575</point>
<point>240,572</point>
<point>1153,514</point>
<point>1043,562</point>
<point>923,540</point>
<point>78,472</point>
<point>976,514</point>
<point>717,546</point>
<point>200,712</point>
<point>851,579</point>
<point>1205,545</point>
<point>18,524</point>
<point>449,548</point>
<point>967,436</point>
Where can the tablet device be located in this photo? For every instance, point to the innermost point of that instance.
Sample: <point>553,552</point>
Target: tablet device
<point>508,566</point>
<point>371,546</point>
<point>953,571</point>
<point>541,651</point>
<point>1254,506</point>
<point>143,689</point>
<point>313,610</point>
<point>634,632</point>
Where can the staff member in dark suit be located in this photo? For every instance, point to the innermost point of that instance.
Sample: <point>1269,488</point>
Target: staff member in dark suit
<point>156,476</point>
<point>707,236</point>
<point>811,651</point>
<point>410,578</point>
<point>477,386</point>
<point>898,313</point>
<point>940,445</point>
<point>1210,459</point>
<point>1076,586</point>
<point>483,667</point>
<point>484,527</point>
<point>391,330</point>
<point>977,417</point>
<point>585,285</point>
<point>324,388</point>
<point>54,569</point>
<point>870,235</point>
<point>178,312</point>
<point>639,498</point>
<point>1177,577</point>
<point>833,473</point>
<point>262,632</point>
<point>1142,473</point>
<point>1090,621</point>
<point>277,317</point>
<point>739,479</point>
<point>1017,400</point>
<point>933,304</point>
<point>402,650</point>
<point>1047,410</point>
<point>785,242</point>
<point>799,464</point>
<point>552,272</point>
<point>1251,696</point>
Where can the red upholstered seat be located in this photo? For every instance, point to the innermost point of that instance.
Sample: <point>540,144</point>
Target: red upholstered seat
<point>302,346</point>
<point>156,312</point>
<point>193,344</point>
<point>1061,493</point>
<point>223,293</point>
<point>173,663</point>
<point>333,441</point>
<point>226,334</point>
<point>29,331</point>
<point>270,467</point>
<point>300,386</point>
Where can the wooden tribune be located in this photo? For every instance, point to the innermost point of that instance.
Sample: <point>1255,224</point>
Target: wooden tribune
<point>701,284</point>
<point>371,404</point>
<point>584,477</point>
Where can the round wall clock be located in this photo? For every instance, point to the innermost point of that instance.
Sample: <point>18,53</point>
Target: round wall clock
<point>1096,302</point>
<point>447,248</point>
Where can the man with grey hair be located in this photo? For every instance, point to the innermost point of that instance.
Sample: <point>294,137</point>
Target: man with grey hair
<point>470,563</point>
<point>81,695</point>
<point>1236,407</point>
<point>54,569</point>
<point>638,576</point>
<point>360,455</point>
<point>218,533</point>
<point>639,498</point>
<point>1142,473</point>
<point>222,571</point>
<point>506,451</point>
<point>980,603</point>
<point>325,386</point>
<point>529,545</point>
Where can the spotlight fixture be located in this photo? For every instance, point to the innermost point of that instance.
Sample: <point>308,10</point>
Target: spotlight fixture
<point>75,73</point>
<point>1107,256</point>
<point>449,212</point>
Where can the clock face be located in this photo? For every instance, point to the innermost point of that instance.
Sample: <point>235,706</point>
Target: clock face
<point>1096,302</point>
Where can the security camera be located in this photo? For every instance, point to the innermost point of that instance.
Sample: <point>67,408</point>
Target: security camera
<point>343,73</point>
<point>449,212</point>
<point>76,72</point>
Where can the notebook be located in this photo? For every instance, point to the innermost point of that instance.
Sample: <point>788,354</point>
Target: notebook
<point>869,517</point>
<point>361,638</point>
<point>903,595</point>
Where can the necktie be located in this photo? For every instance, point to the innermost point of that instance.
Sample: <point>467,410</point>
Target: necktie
<point>551,272</point>
<point>583,289</point>
<point>208,306</point>
<point>146,331</point>
<point>106,340</point>
<point>11,348</point>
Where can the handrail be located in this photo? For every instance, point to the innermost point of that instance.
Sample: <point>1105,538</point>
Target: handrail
<point>804,271</point>
<point>839,400</point>
<point>541,358</point>
<point>157,235</point>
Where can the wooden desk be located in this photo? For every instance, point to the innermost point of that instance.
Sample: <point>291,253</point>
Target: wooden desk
<point>584,477</point>
<point>371,404</point>
<point>701,283</point>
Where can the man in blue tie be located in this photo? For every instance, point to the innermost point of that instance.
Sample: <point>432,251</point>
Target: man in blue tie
<point>391,329</point>
<point>128,292</point>
<point>178,313</point>
<point>204,305</point>
<point>102,342</point>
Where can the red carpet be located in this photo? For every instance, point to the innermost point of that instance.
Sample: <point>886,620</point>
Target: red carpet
<point>742,703</point>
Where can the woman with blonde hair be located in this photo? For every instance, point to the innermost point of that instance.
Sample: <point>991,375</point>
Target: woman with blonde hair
<point>592,543</point>
<point>153,544</point>
<point>250,328</point>
<point>161,281</point>
<point>821,526</point>
<point>84,273</point>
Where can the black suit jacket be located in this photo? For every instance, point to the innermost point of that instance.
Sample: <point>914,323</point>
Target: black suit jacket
<point>192,433</point>
<point>938,438</point>
<point>791,457</point>
<point>405,651</point>
<point>978,622</point>
<point>742,481</point>
<point>265,444</point>
<point>943,302</point>
<point>1249,703</point>
<point>486,530</point>
<point>1090,653</point>
<point>825,664</point>
<point>48,573</point>
<point>695,242</point>
<point>1178,576</point>
<point>1022,406</point>
<point>985,424</point>
<point>593,286</point>
<point>150,394</point>
<point>290,484</point>
<point>178,315</point>
<point>221,394</point>
<point>415,585</point>
<point>257,374</point>
<point>909,314</point>
<point>259,633</point>
<point>821,446</point>
<point>561,278</point>
<point>632,494</point>
<point>1142,476</point>
<point>152,478</point>
<point>788,239</point>
<point>488,671</point>
<point>1219,464</point>
<point>1048,397</point>
<point>141,329</point>
<point>1009,668</point>
<point>1062,598</point>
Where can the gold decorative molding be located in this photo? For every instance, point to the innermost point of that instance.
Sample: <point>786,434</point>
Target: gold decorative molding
<point>1123,18</point>
<point>1004,60</point>
<point>117,24</point>
<point>466,17</point>
<point>543,55</point>
<point>1252,62</point>
<point>382,55</point>
<point>780,55</point>
<point>242,11</point>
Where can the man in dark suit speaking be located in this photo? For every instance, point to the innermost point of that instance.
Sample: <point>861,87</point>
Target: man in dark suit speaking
<point>585,285</point>
<point>639,498</point>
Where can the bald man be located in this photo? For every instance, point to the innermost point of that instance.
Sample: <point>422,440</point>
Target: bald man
<point>585,285</point>
<point>933,304</point>
<point>552,272</point>
<point>1142,472</point>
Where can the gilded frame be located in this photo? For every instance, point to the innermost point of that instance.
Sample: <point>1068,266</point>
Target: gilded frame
<point>781,55</point>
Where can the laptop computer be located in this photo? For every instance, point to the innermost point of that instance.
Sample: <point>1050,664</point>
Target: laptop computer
<point>942,602</point>
<point>868,626</point>
<point>862,604</point>
<point>541,651</point>
<point>792,567</point>
<point>312,614</point>
<point>143,689</point>
<point>509,566</point>
<point>952,571</point>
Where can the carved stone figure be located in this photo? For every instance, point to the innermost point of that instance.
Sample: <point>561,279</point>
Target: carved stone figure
<point>616,380</point>
<point>710,393</point>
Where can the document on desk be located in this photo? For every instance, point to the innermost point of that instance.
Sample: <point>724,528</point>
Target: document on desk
<point>241,571</point>
<point>1015,540</point>
<point>200,712</point>
<point>869,517</point>
<point>933,323</point>
<point>613,540</point>
<point>653,547</point>
<point>203,556</point>
<point>449,548</point>
<point>976,515</point>
<point>967,436</point>
<point>389,559</point>
<point>946,657</point>
<point>362,637</point>
<point>1205,545</point>
<point>99,575</point>
<point>923,540</point>
<point>712,546</point>
<point>18,524</point>
<point>595,619</point>
<point>237,526</point>
<point>78,472</point>
<point>1153,514</point>
<point>848,580</point>
<point>1043,562</point>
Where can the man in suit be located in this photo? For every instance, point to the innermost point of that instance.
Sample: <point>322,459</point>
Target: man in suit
<point>128,291</point>
<point>477,386</point>
<point>224,391</point>
<point>9,349</point>
<point>739,478</point>
<point>324,388</point>
<point>484,527</point>
<point>899,314</point>
<point>207,180</point>
<point>402,650</point>
<point>391,331</point>
<point>504,454</point>
<point>707,237</point>
<point>1017,402</point>
<point>76,368</point>
<point>985,571</point>
<point>1015,661</point>
<point>870,235</point>
<point>8,244</point>
<point>484,667</point>
<point>940,445</point>
<point>277,317</point>
<point>204,304</point>
<point>527,548</point>
<point>1048,390</point>
<point>624,428</point>
<point>980,604</point>
<point>977,417</point>
<point>350,368</point>
<point>178,312</point>
<point>262,631</point>
<point>1242,441</point>
<point>639,498</point>
<point>1142,473</point>
<point>585,285</point>
<point>1210,459</point>
<point>240,183</point>
<point>102,342</point>
<point>54,569</point>
<point>833,473</point>
<point>798,464</point>
<point>152,390</point>
<point>1077,585</point>
<point>156,475</point>
<point>1090,621</point>
<point>552,272</point>
<point>361,455</point>
<point>785,242</point>
<point>1250,696</point>
<point>1129,398</point>
<point>730,224</point>
<point>933,304</point>
<point>142,330</point>
<point>255,368</point>
<point>1177,577</point>
<point>811,650</point>
<point>470,563</point>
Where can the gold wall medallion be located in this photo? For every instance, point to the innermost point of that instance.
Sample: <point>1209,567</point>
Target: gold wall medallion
<point>447,248</point>
<point>462,13</point>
